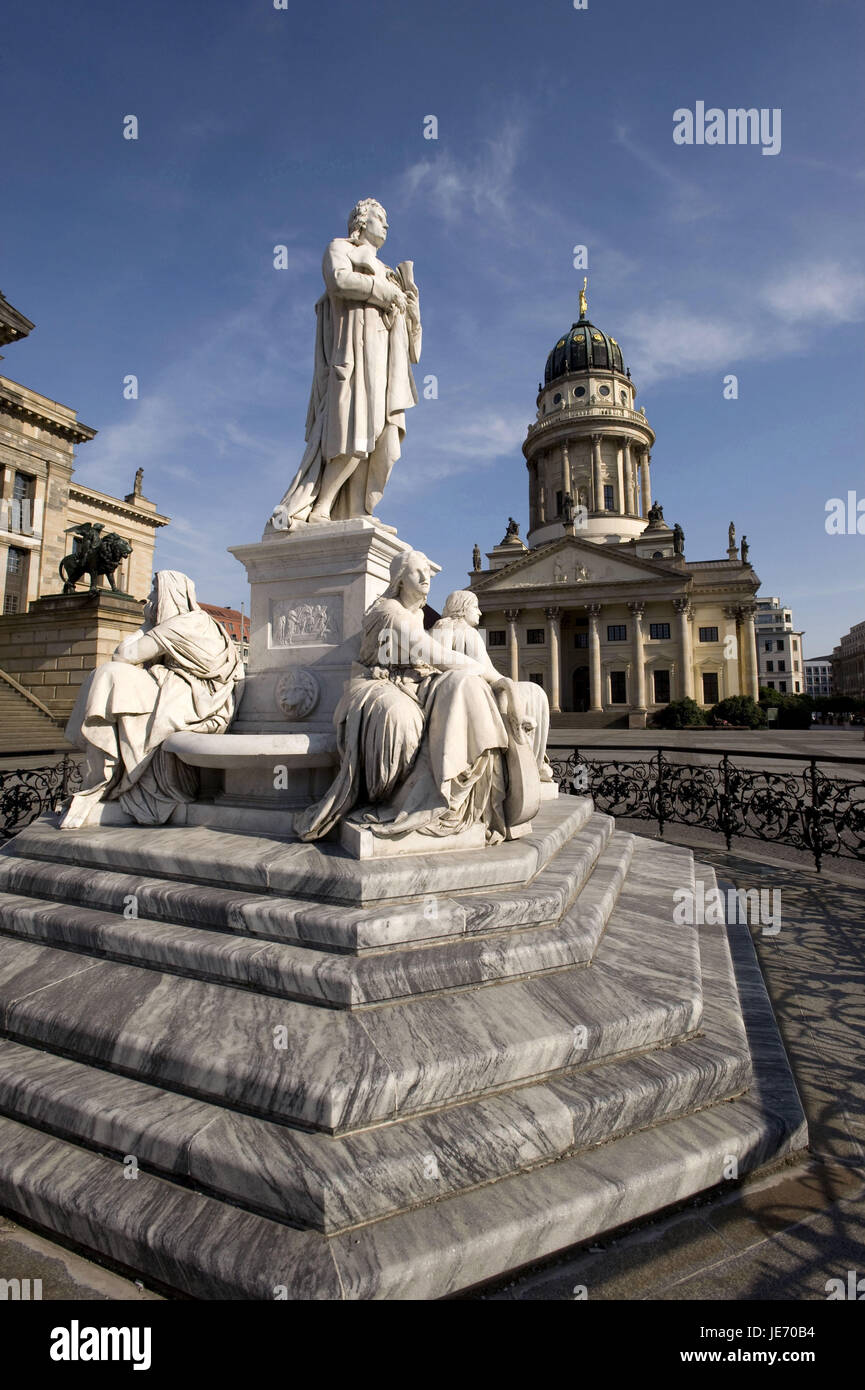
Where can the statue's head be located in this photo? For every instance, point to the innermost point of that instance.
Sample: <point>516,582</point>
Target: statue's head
<point>367,221</point>
<point>410,577</point>
<point>462,603</point>
<point>172,594</point>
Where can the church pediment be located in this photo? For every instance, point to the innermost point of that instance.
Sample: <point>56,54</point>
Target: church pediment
<point>569,561</point>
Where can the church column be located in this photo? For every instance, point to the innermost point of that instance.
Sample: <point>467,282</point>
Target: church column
<point>596,694</point>
<point>646,481</point>
<point>620,470</point>
<point>566,470</point>
<point>511,617</point>
<point>630,487</point>
<point>553,616</point>
<point>597,483</point>
<point>685,652</point>
<point>638,704</point>
<point>732,615</point>
<point>751,677</point>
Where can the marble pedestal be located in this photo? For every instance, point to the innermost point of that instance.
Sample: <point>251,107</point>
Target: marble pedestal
<point>366,1079</point>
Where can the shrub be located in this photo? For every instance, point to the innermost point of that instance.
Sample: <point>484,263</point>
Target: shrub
<point>680,714</point>
<point>795,712</point>
<point>738,709</point>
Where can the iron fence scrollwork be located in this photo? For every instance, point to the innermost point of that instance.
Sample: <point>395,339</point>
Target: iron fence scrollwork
<point>28,792</point>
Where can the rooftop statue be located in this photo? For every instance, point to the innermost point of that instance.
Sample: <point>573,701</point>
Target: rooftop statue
<point>177,672</point>
<point>584,306</point>
<point>367,336</point>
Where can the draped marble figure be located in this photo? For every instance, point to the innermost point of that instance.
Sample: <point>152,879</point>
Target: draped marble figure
<point>368,333</point>
<point>458,629</point>
<point>177,672</point>
<point>424,732</point>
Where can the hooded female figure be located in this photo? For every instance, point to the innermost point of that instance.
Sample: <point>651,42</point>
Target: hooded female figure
<point>420,734</point>
<point>178,672</point>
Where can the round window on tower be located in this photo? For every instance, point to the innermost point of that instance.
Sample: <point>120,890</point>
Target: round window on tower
<point>604,390</point>
<point>580,391</point>
<point>557,398</point>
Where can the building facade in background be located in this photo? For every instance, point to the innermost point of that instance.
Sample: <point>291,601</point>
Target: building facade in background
<point>39,501</point>
<point>601,607</point>
<point>848,663</point>
<point>779,648</point>
<point>818,676</point>
<point>235,624</point>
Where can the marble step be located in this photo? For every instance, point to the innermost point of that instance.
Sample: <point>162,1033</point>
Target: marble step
<point>208,1249</point>
<point>328,1184</point>
<point>298,922</point>
<point>337,1070</point>
<point>319,872</point>
<point>339,980</point>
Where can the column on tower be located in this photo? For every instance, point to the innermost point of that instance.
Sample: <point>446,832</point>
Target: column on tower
<point>630,484</point>
<point>511,618</point>
<point>638,704</point>
<point>596,694</point>
<point>620,471</point>
<point>553,616</point>
<point>597,476</point>
<point>566,470</point>
<point>732,614</point>
<point>683,612</point>
<point>646,482</point>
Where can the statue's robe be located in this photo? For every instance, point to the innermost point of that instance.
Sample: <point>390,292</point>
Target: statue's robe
<point>126,712</point>
<point>420,748</point>
<point>362,380</point>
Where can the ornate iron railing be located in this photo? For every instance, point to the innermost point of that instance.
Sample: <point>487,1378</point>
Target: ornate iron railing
<point>27,792</point>
<point>799,805</point>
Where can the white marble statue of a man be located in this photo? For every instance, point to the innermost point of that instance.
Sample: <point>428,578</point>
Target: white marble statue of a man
<point>368,334</point>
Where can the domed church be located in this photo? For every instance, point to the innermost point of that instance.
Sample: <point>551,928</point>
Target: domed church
<point>599,604</point>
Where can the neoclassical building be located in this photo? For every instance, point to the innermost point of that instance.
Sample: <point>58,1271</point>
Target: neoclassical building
<point>602,606</point>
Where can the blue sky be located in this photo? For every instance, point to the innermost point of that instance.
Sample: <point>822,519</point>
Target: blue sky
<point>260,127</point>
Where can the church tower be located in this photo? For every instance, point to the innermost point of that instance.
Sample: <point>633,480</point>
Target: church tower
<point>589,442</point>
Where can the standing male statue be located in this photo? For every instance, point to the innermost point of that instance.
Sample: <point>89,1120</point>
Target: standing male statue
<point>368,334</point>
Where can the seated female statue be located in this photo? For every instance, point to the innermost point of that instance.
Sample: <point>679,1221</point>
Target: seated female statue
<point>420,732</point>
<point>177,672</point>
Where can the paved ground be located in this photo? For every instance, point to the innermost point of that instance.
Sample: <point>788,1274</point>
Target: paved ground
<point>784,1235</point>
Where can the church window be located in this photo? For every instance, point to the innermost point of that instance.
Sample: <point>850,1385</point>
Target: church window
<point>779,644</point>
<point>708,634</point>
<point>617,632</point>
<point>657,554</point>
<point>770,665</point>
<point>604,390</point>
<point>662,687</point>
<point>798,687</point>
<point>557,398</point>
<point>782,665</point>
<point>536,678</point>
<point>608,497</point>
<point>618,688</point>
<point>10,604</point>
<point>579,391</point>
<point>581,639</point>
<point>782,686</point>
<point>767,646</point>
<point>660,631</point>
<point>710,687</point>
<point>496,638</point>
<point>15,560</point>
<point>771,685</point>
<point>535,636</point>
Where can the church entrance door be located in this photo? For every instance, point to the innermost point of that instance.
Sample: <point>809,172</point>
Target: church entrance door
<point>581,689</point>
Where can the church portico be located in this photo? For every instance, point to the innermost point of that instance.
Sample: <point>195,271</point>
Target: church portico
<point>602,607</point>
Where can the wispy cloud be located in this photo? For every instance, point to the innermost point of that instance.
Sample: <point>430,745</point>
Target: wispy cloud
<point>830,292</point>
<point>480,185</point>
<point>688,202</point>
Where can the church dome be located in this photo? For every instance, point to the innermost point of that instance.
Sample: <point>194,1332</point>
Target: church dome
<point>583,348</point>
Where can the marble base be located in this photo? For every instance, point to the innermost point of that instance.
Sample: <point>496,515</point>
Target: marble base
<point>362,843</point>
<point>370,1097</point>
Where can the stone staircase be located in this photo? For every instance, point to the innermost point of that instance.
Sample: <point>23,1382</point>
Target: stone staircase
<point>26,725</point>
<point>384,1080</point>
